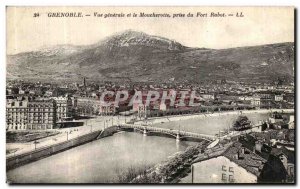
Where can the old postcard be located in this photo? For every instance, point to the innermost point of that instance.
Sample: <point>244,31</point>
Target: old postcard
<point>170,95</point>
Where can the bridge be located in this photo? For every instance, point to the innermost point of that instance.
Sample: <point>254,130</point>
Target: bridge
<point>179,135</point>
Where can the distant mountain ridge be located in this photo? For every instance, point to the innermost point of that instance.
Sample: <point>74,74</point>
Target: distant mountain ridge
<point>130,38</point>
<point>137,56</point>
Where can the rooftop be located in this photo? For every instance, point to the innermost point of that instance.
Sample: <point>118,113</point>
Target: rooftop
<point>238,154</point>
<point>245,158</point>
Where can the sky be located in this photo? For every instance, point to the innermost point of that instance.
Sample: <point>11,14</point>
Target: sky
<point>259,25</point>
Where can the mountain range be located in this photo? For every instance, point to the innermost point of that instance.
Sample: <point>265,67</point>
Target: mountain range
<point>139,57</point>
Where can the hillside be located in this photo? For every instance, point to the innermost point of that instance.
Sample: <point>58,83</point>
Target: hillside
<point>136,56</point>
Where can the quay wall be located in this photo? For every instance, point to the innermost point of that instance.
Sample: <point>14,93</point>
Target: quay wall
<point>155,120</point>
<point>108,132</point>
<point>18,160</point>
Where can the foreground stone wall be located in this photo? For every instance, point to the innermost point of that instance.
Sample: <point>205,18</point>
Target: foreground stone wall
<point>108,132</point>
<point>18,160</point>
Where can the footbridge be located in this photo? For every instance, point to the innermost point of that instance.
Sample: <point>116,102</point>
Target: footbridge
<point>179,135</point>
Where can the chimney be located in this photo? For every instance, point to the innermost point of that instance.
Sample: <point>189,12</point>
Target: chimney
<point>240,153</point>
<point>258,146</point>
<point>243,150</point>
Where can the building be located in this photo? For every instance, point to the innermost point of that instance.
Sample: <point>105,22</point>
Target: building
<point>142,111</point>
<point>63,108</point>
<point>267,99</point>
<point>208,96</point>
<point>30,115</point>
<point>278,98</point>
<point>275,118</point>
<point>84,82</point>
<point>22,91</point>
<point>51,93</point>
<point>288,160</point>
<point>289,97</point>
<point>84,106</point>
<point>162,107</point>
<point>221,170</point>
<point>74,106</point>
<point>234,163</point>
<point>107,109</point>
<point>228,165</point>
<point>16,114</point>
<point>291,122</point>
<point>41,115</point>
<point>255,101</point>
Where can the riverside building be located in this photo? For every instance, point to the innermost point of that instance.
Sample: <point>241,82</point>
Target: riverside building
<point>63,108</point>
<point>30,115</point>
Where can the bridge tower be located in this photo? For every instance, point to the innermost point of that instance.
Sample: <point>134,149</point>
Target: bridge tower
<point>178,137</point>
<point>145,131</point>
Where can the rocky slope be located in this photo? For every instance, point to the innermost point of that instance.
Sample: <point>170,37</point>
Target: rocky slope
<point>136,56</point>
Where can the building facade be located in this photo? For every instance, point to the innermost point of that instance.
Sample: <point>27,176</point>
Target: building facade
<point>255,101</point>
<point>63,108</point>
<point>30,115</point>
<point>41,115</point>
<point>278,98</point>
<point>16,114</point>
<point>221,170</point>
<point>142,111</point>
<point>107,109</point>
<point>235,163</point>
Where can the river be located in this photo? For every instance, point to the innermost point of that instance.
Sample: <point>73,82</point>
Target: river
<point>103,160</point>
<point>211,124</point>
<point>99,161</point>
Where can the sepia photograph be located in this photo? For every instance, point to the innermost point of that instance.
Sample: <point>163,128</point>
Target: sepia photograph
<point>150,95</point>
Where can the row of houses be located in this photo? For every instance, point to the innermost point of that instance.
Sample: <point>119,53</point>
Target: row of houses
<point>242,162</point>
<point>37,114</point>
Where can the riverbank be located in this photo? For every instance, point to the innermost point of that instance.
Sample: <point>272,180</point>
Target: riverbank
<point>21,159</point>
<point>156,120</point>
<point>169,171</point>
<point>64,134</point>
<point>28,136</point>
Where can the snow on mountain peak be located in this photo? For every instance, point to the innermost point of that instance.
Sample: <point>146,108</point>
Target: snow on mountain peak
<point>132,38</point>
